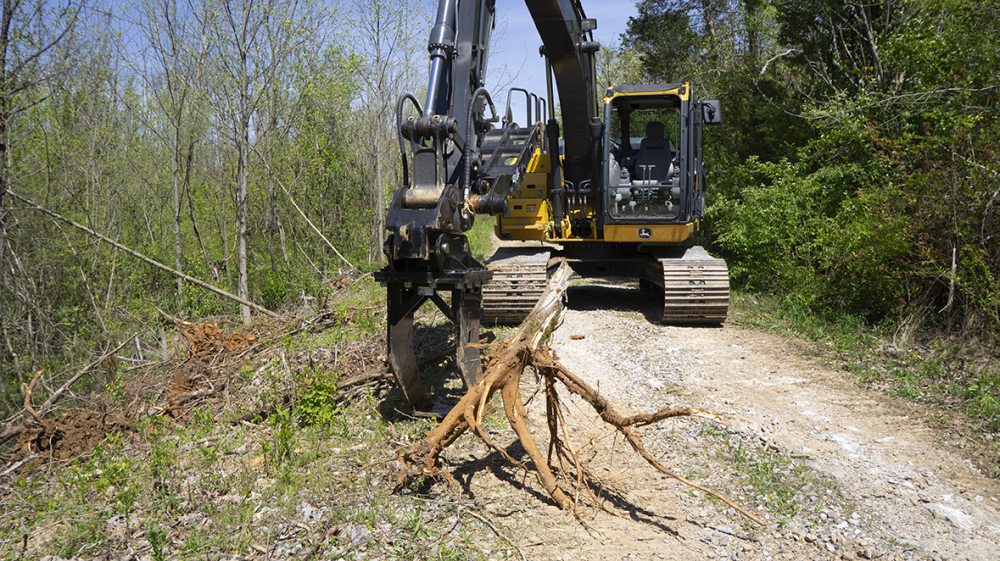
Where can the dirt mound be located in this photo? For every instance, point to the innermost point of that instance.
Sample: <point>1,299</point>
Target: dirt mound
<point>207,340</point>
<point>62,438</point>
<point>186,376</point>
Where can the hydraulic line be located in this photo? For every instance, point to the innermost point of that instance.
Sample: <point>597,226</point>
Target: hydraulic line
<point>399,119</point>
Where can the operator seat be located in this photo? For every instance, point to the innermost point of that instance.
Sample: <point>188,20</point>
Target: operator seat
<point>653,163</point>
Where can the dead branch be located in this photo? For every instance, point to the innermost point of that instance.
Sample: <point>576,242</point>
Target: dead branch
<point>28,388</point>
<point>62,389</point>
<point>181,399</point>
<point>381,373</point>
<point>172,320</point>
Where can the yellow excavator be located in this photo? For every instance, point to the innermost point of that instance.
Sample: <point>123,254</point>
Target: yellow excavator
<point>614,188</point>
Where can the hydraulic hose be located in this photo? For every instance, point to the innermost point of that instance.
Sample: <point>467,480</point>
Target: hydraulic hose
<point>467,175</point>
<point>399,119</point>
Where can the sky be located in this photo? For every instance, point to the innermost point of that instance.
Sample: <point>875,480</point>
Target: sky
<point>515,44</point>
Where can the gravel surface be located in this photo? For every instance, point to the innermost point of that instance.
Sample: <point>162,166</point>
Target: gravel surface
<point>864,476</point>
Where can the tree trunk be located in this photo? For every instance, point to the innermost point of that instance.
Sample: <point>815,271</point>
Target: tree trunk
<point>243,288</point>
<point>175,177</point>
<point>5,114</point>
<point>243,178</point>
<point>189,161</point>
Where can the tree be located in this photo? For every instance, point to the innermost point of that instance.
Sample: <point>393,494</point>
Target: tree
<point>385,36</point>
<point>663,36</point>
<point>251,41</point>
<point>27,42</point>
<point>179,54</point>
<point>842,41</point>
<point>618,66</point>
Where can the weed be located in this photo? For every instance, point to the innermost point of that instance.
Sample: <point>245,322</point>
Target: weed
<point>209,455</point>
<point>768,477</point>
<point>115,388</point>
<point>317,401</point>
<point>203,419</point>
<point>157,539</point>
<point>278,449</point>
<point>161,454</point>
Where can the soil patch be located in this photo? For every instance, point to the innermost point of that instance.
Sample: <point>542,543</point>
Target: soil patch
<point>62,438</point>
<point>208,340</point>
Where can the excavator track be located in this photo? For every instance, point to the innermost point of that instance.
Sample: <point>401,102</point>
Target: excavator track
<point>695,287</point>
<point>520,275</point>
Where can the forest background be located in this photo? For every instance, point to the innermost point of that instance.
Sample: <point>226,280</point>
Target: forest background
<point>251,145</point>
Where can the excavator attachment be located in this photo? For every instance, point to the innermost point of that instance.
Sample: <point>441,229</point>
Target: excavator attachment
<point>406,293</point>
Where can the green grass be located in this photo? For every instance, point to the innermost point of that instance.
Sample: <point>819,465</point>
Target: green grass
<point>247,481</point>
<point>770,481</point>
<point>768,477</point>
<point>481,237</point>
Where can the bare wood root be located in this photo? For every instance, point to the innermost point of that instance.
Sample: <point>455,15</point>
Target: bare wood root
<point>551,368</point>
<point>503,374</point>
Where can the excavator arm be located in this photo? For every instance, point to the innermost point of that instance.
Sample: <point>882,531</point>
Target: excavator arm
<point>457,164</point>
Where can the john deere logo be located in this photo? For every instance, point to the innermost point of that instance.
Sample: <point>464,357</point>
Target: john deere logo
<point>645,233</point>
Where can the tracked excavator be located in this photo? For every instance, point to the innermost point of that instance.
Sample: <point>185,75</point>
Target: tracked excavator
<point>614,188</point>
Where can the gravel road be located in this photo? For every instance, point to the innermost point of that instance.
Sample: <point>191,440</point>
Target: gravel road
<point>862,475</point>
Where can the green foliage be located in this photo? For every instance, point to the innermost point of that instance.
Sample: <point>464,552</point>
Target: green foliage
<point>796,229</point>
<point>274,288</point>
<point>664,37</point>
<point>317,404</point>
<point>481,238</point>
<point>157,539</point>
<point>281,442</point>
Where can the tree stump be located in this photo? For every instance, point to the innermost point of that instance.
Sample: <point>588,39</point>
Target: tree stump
<point>503,374</point>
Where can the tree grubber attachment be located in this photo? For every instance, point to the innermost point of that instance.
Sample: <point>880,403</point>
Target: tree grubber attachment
<point>408,291</point>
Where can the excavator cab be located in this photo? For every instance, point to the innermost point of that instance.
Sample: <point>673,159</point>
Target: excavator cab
<point>646,182</point>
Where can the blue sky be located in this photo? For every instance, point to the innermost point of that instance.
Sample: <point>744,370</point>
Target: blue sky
<point>515,43</point>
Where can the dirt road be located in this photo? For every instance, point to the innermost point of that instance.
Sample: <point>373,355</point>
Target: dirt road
<point>839,472</point>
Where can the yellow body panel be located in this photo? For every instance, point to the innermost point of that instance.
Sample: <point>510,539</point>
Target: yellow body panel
<point>535,186</point>
<point>530,218</point>
<point>528,214</point>
<point>539,162</point>
<point>526,219</point>
<point>657,233</point>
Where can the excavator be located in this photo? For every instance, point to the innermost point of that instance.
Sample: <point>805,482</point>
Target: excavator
<point>614,187</point>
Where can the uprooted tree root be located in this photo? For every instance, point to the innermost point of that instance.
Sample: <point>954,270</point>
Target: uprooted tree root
<point>503,374</point>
